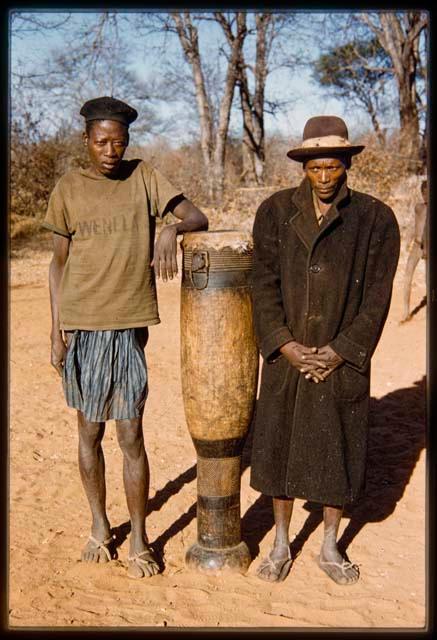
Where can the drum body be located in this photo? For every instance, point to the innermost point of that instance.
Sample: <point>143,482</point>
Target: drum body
<point>219,361</point>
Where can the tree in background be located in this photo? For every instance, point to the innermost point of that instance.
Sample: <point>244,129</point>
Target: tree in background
<point>25,23</point>
<point>213,132</point>
<point>249,52</point>
<point>400,35</point>
<point>211,74</point>
<point>253,102</point>
<point>92,60</point>
<point>358,72</point>
<point>395,60</point>
<point>273,34</point>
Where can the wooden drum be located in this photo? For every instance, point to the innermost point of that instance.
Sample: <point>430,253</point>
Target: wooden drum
<point>219,360</point>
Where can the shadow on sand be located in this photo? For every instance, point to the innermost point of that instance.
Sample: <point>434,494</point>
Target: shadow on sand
<point>416,309</point>
<point>154,504</point>
<point>396,437</point>
<point>397,429</point>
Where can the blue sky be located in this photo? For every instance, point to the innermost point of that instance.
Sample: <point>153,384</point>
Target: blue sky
<point>308,99</point>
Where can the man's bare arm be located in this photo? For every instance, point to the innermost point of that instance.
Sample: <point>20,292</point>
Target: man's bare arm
<point>192,219</point>
<point>61,246</point>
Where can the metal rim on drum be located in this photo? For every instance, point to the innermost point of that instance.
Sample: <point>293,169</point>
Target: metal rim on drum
<point>225,257</point>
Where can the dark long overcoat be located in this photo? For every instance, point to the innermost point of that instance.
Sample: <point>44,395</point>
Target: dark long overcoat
<point>318,285</point>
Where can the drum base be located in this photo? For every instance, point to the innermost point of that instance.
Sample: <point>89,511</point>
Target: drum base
<point>233,559</point>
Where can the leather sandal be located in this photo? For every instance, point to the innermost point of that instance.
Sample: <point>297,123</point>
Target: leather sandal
<point>343,567</point>
<point>102,545</point>
<point>278,568</point>
<point>142,560</point>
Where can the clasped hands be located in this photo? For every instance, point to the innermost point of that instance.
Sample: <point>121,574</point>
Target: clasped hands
<point>316,363</point>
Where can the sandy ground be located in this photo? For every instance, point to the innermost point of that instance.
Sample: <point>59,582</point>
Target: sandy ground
<point>49,519</point>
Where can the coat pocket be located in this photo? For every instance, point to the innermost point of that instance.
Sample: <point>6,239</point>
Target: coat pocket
<point>276,375</point>
<point>350,384</point>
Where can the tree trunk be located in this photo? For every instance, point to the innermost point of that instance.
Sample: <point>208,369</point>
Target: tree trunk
<point>371,110</point>
<point>252,107</point>
<point>400,42</point>
<point>226,103</point>
<point>188,37</point>
<point>262,49</point>
<point>248,141</point>
<point>213,143</point>
<point>380,136</point>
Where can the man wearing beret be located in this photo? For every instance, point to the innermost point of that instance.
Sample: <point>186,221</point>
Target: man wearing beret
<point>103,299</point>
<point>325,257</point>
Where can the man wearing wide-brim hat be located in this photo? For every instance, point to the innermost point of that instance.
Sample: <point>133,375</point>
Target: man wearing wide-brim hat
<point>324,262</point>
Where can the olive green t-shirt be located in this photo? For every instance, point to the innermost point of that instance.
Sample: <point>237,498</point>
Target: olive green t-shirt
<point>108,282</point>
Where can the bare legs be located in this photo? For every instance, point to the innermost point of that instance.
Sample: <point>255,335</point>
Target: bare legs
<point>92,473</point>
<point>136,478</point>
<point>413,258</point>
<point>330,559</point>
<point>136,483</point>
<point>276,566</point>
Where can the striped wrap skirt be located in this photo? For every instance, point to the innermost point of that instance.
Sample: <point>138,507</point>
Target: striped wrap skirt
<point>105,373</point>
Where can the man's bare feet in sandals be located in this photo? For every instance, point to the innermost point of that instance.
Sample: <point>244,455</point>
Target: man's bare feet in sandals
<point>98,550</point>
<point>330,560</point>
<point>276,566</point>
<point>142,563</point>
<point>338,568</point>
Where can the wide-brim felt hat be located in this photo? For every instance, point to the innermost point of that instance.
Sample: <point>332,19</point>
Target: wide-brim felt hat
<point>108,108</point>
<point>324,136</point>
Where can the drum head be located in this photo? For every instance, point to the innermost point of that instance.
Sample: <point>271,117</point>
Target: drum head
<point>240,241</point>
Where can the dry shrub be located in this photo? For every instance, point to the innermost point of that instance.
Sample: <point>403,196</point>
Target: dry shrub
<point>182,166</point>
<point>389,176</point>
<point>280,170</point>
<point>378,169</point>
<point>238,208</point>
<point>38,162</point>
<point>23,226</point>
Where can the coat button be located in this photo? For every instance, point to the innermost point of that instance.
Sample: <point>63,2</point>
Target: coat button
<point>314,268</point>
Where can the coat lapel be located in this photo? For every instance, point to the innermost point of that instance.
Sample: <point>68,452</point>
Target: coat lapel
<point>304,220</point>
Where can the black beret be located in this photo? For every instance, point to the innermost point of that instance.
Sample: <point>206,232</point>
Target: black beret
<point>108,108</point>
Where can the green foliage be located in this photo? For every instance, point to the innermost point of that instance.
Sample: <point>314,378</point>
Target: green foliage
<point>359,72</point>
<point>354,67</point>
